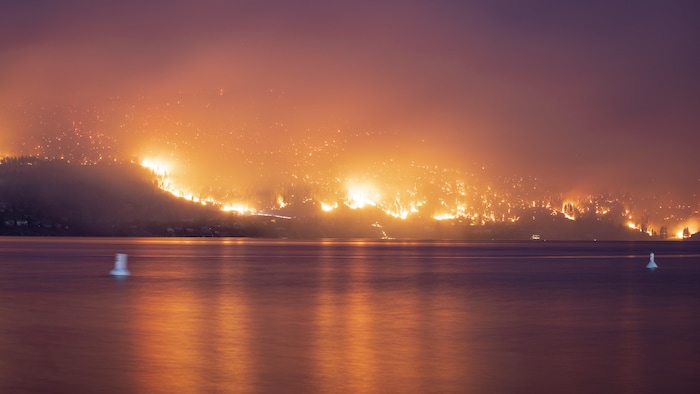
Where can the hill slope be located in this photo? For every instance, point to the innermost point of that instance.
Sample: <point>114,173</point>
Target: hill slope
<point>55,197</point>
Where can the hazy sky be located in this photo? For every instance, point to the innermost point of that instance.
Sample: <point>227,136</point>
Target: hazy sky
<point>577,93</point>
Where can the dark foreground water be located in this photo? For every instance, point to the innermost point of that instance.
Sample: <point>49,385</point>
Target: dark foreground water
<point>227,315</point>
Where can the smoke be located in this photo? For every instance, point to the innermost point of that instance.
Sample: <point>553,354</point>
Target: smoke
<point>238,93</point>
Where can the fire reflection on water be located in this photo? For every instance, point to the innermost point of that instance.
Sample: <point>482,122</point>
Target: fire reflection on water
<point>341,329</point>
<point>359,316</point>
<point>188,338</point>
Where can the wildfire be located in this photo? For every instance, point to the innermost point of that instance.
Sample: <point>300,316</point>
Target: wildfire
<point>239,208</point>
<point>162,170</point>
<point>159,167</point>
<point>685,231</point>
<point>360,196</point>
<point>403,192</point>
<point>445,216</point>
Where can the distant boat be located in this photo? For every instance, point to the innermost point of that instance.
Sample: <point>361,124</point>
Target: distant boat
<point>120,265</point>
<point>535,237</point>
<point>652,264</point>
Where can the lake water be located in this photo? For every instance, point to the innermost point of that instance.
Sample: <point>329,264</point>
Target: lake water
<point>254,316</point>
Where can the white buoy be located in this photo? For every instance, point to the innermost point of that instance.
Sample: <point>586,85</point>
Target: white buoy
<point>120,265</point>
<point>652,264</point>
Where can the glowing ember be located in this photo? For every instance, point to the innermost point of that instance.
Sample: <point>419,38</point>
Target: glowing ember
<point>280,202</point>
<point>328,207</point>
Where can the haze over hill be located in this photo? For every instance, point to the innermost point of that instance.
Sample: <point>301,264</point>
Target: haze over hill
<point>239,97</point>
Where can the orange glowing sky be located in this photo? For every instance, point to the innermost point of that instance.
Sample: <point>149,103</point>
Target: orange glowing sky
<point>241,95</point>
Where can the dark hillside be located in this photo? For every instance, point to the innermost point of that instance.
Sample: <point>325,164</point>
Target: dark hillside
<point>102,199</point>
